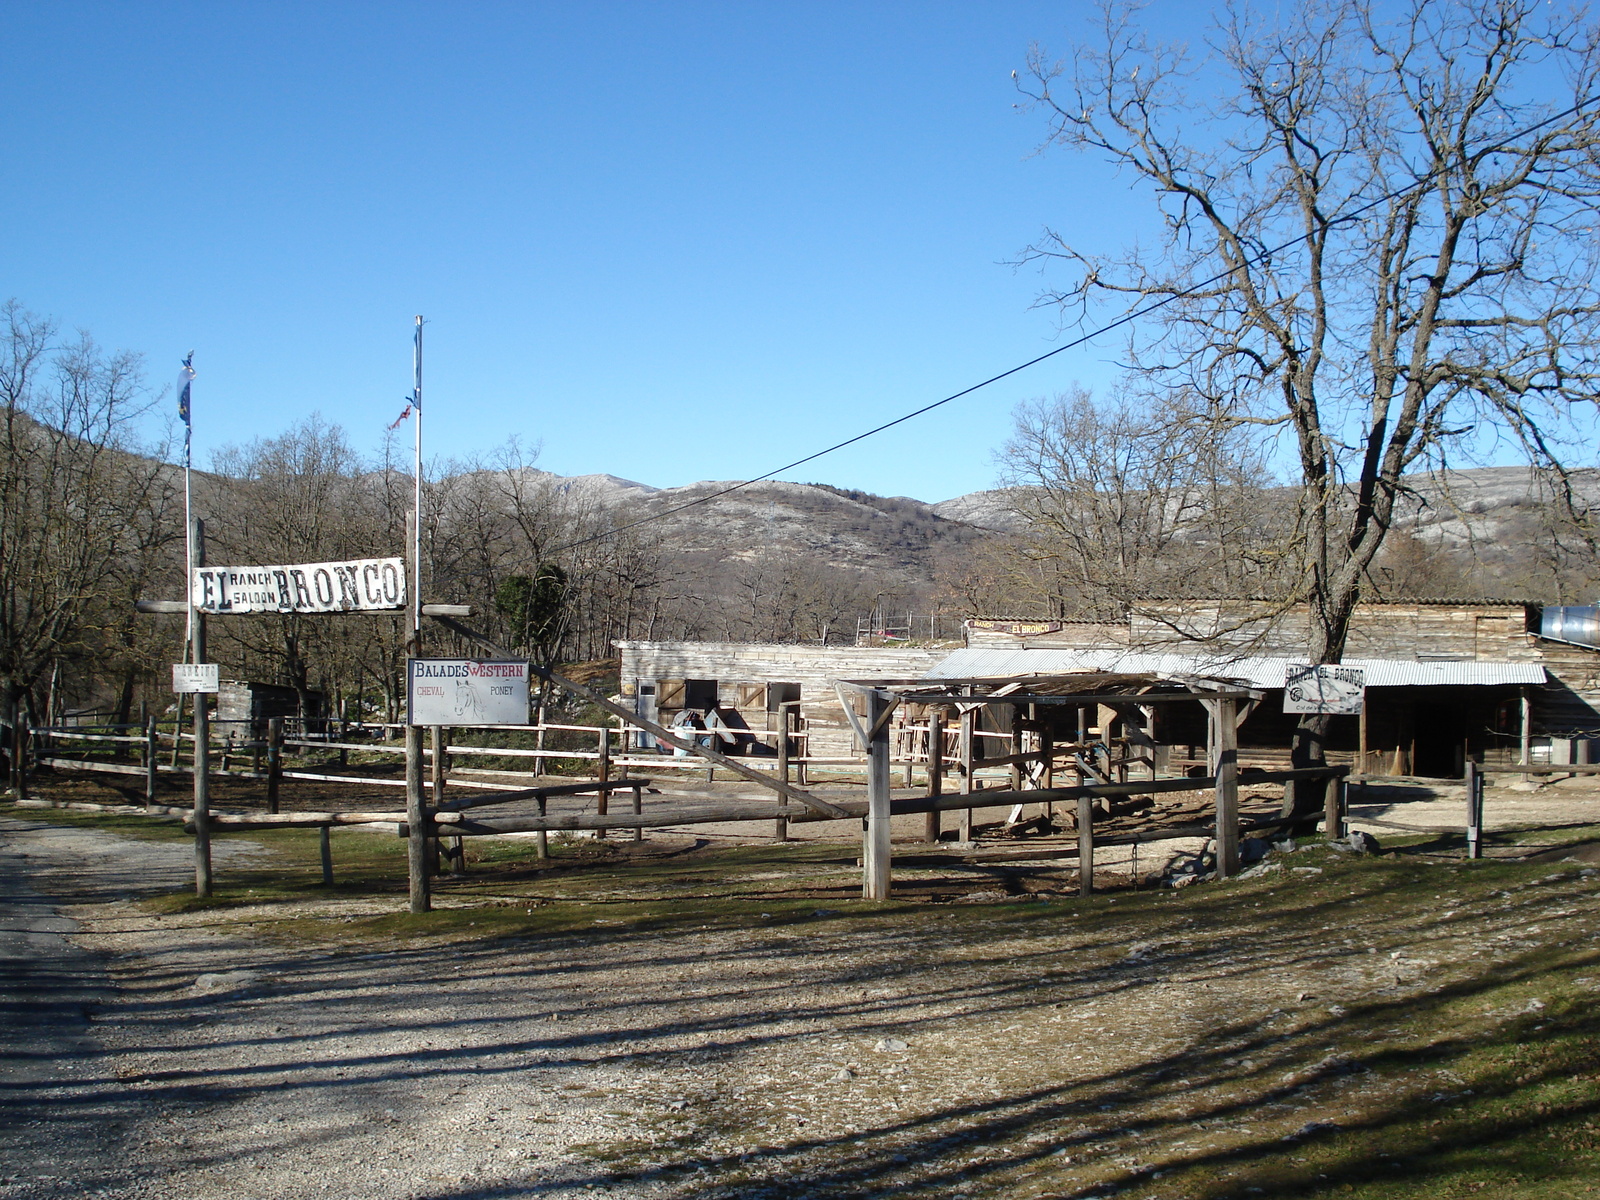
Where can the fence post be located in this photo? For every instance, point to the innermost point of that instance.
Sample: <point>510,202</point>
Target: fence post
<point>417,819</point>
<point>1226,739</point>
<point>324,844</point>
<point>150,762</point>
<point>964,828</point>
<point>1474,811</point>
<point>875,857</point>
<point>436,740</point>
<point>19,754</point>
<point>1085,845</point>
<point>1333,807</point>
<point>930,822</point>
<point>202,791</point>
<point>541,841</point>
<point>638,808</point>
<point>274,761</point>
<point>602,771</point>
<point>780,828</point>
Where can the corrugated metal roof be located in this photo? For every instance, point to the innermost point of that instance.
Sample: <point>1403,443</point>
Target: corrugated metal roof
<point>986,663</point>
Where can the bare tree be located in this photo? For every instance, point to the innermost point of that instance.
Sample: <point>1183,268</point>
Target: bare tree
<point>73,491</point>
<point>1128,499</point>
<point>1377,240</point>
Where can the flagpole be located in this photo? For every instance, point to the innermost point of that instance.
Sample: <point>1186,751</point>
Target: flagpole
<point>185,381</point>
<point>416,483</point>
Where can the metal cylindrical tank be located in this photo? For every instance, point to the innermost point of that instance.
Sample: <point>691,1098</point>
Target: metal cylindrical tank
<point>1571,623</point>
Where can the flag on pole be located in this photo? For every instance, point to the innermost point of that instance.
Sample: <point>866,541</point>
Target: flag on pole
<point>395,424</point>
<point>185,379</point>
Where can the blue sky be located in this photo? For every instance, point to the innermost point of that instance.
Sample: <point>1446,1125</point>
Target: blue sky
<point>670,242</point>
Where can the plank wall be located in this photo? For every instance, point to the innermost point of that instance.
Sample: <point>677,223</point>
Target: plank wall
<point>754,665</point>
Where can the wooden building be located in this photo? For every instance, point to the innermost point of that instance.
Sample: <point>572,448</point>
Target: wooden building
<point>1446,679</point>
<point>749,684</point>
<point>244,707</point>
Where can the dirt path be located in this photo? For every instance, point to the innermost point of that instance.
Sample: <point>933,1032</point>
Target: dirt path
<point>996,1050</point>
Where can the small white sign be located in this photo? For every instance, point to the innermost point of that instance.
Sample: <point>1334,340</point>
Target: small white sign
<point>461,691</point>
<point>190,678</point>
<point>1323,688</point>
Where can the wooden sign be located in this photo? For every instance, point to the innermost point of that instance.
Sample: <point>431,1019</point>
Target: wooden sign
<point>462,691</point>
<point>191,678</point>
<point>1323,689</point>
<point>355,585</point>
<point>1019,628</point>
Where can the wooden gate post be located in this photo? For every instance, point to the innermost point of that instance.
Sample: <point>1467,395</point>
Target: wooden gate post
<point>417,819</point>
<point>1474,811</point>
<point>1225,737</point>
<point>324,845</point>
<point>202,745</point>
<point>150,762</point>
<point>1085,845</point>
<point>274,761</point>
<point>965,747</point>
<point>19,753</point>
<point>930,823</point>
<point>780,827</point>
<point>875,856</point>
<point>436,769</point>
<point>602,772</point>
<point>1333,807</point>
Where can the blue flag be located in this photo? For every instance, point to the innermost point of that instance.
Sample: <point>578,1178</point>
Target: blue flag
<point>185,378</point>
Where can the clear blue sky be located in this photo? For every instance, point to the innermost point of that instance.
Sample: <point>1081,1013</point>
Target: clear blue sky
<point>667,241</point>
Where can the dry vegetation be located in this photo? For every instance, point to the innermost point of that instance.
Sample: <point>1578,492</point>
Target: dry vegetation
<point>691,1019</point>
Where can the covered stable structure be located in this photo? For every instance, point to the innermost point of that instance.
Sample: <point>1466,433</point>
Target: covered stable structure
<point>1096,727</point>
<point>1448,682</point>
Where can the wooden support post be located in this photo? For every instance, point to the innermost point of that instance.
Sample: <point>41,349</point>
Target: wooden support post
<point>417,818</point>
<point>1526,758</point>
<point>930,823</point>
<point>177,729</point>
<point>638,809</point>
<point>1333,807</point>
<point>202,789</point>
<point>876,849</point>
<point>202,746</point>
<point>437,741</point>
<point>325,845</point>
<point>968,718</point>
<point>541,840</point>
<point>150,762</point>
<point>1225,737</point>
<point>780,827</point>
<point>1361,740</point>
<point>274,761</point>
<point>1474,811</point>
<point>1085,845</point>
<point>602,771</point>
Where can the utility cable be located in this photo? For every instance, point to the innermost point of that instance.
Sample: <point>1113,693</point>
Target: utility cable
<point>1127,318</point>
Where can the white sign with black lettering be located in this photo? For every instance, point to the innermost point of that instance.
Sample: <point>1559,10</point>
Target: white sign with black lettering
<point>1323,688</point>
<point>192,678</point>
<point>355,585</point>
<point>460,691</point>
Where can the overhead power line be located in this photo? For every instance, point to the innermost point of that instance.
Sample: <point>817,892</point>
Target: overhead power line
<point>1127,318</point>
